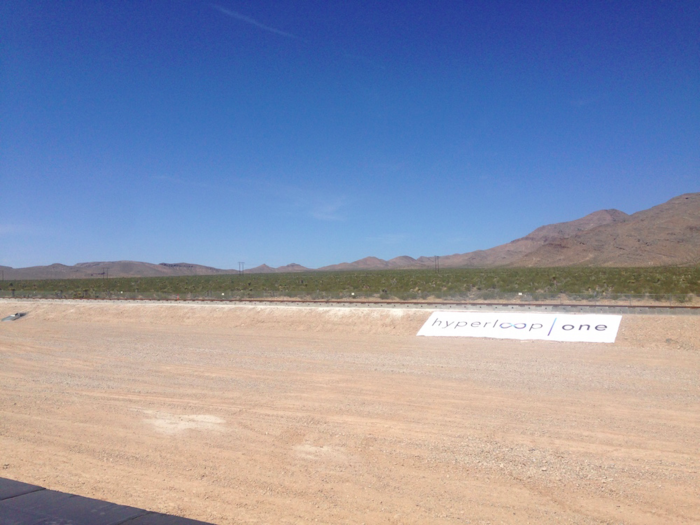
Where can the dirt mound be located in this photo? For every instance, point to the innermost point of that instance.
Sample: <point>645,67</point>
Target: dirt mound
<point>638,330</point>
<point>399,321</point>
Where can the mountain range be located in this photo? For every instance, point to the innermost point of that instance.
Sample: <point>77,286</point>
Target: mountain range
<point>665,235</point>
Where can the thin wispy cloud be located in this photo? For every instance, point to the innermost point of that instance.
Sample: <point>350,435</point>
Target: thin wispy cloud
<point>317,204</point>
<point>389,238</point>
<point>311,203</point>
<point>327,211</point>
<point>252,21</point>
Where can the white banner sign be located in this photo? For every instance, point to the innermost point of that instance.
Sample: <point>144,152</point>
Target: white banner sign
<point>516,325</point>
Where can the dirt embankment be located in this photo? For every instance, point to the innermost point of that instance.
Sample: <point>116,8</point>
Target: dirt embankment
<point>396,321</point>
<point>641,330</point>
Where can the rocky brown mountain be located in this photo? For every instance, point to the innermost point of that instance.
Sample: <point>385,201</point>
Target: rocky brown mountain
<point>667,234</point>
<point>503,255</point>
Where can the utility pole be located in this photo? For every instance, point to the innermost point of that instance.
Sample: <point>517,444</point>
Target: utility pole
<point>437,263</point>
<point>241,267</point>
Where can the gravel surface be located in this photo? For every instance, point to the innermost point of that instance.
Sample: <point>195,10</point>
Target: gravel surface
<point>250,414</point>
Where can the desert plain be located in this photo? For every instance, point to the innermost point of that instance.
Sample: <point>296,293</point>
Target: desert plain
<point>277,414</point>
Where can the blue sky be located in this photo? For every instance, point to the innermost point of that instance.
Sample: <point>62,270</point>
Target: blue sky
<point>318,132</point>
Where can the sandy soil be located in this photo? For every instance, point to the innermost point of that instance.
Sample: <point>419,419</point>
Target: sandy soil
<point>244,414</point>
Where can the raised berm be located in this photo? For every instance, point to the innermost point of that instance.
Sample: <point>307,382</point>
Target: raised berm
<point>635,330</point>
<point>399,321</point>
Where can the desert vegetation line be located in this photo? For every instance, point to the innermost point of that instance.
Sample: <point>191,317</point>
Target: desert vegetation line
<point>459,283</point>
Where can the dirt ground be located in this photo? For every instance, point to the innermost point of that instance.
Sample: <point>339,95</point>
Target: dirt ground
<point>246,414</point>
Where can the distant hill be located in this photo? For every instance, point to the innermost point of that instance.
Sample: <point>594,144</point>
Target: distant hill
<point>667,234</point>
<point>110,269</point>
<point>289,268</point>
<point>129,269</point>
